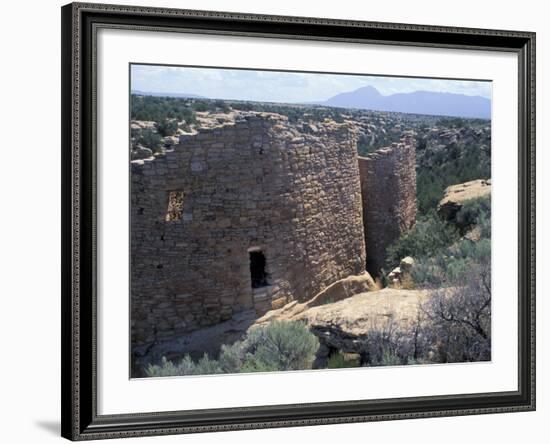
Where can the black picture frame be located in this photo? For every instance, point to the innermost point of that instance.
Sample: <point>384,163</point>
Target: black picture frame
<point>79,395</point>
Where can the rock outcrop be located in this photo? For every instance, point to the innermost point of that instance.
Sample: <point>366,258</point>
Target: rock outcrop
<point>337,291</point>
<point>401,273</point>
<point>456,195</point>
<point>346,325</point>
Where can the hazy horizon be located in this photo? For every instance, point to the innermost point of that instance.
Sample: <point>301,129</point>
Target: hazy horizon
<point>283,86</point>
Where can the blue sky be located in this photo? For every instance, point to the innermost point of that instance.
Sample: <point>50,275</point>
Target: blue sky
<point>287,87</point>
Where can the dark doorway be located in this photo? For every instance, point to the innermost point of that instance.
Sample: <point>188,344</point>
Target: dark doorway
<point>257,269</point>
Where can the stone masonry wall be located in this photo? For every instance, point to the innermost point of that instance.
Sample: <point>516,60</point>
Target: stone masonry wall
<point>256,185</point>
<point>388,186</point>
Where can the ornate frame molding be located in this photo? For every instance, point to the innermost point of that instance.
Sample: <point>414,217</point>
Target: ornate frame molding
<point>79,396</point>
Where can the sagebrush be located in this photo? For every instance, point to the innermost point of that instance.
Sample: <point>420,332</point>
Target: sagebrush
<point>277,346</point>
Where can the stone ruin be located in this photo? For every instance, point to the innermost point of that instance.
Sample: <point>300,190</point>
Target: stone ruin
<point>257,213</point>
<point>388,186</point>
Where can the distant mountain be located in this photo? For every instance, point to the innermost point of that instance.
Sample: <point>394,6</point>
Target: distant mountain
<point>166,94</point>
<point>418,102</point>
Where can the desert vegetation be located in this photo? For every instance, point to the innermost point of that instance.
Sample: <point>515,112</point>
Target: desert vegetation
<point>453,261</point>
<point>447,252</point>
<point>439,168</point>
<point>278,346</point>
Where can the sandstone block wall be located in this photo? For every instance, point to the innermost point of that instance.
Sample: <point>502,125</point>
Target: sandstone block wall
<point>256,185</point>
<point>388,186</point>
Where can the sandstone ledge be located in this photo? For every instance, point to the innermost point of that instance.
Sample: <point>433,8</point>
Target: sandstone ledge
<point>337,291</point>
<point>344,325</point>
<point>456,195</point>
<point>358,314</point>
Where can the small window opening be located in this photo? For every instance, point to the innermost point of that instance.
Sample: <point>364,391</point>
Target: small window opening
<point>258,274</point>
<point>175,206</point>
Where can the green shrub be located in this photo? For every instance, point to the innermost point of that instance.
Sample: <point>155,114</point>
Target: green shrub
<point>438,169</point>
<point>442,257</point>
<point>453,265</point>
<point>277,346</point>
<point>207,366</point>
<point>428,237</point>
<point>222,105</point>
<point>255,364</point>
<point>167,368</point>
<point>232,357</point>
<point>157,109</point>
<point>167,127</point>
<point>475,212</point>
<point>281,345</point>
<point>150,139</point>
<point>201,106</point>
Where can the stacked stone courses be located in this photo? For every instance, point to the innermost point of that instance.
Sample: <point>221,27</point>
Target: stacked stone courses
<point>258,184</point>
<point>388,187</point>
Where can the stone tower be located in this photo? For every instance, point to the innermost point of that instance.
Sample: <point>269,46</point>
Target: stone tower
<point>248,215</point>
<point>388,186</point>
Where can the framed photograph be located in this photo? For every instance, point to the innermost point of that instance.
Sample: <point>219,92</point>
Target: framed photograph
<point>280,221</point>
